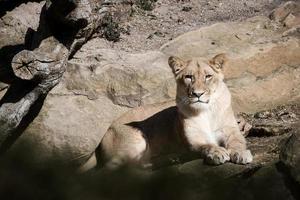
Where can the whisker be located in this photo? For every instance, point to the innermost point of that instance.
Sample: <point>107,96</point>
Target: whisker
<point>184,100</point>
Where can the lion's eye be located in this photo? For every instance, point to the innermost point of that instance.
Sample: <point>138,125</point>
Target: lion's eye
<point>208,77</point>
<point>188,79</point>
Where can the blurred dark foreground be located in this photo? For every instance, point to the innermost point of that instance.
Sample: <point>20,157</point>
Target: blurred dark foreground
<point>22,178</point>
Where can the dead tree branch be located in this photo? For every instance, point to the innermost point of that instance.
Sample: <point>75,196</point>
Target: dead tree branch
<point>64,27</point>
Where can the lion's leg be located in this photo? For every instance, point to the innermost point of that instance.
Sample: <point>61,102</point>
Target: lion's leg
<point>125,158</point>
<point>122,145</point>
<point>212,153</point>
<point>199,142</point>
<point>236,145</point>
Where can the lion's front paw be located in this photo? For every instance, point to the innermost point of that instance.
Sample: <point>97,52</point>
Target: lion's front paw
<point>241,157</point>
<point>217,155</point>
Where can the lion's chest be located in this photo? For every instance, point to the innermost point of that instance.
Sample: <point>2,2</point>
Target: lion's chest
<point>203,128</point>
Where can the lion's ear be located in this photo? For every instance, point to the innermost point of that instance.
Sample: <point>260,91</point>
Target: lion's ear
<point>176,64</point>
<point>218,61</point>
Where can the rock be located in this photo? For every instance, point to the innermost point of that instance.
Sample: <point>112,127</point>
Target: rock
<point>292,20</point>
<point>187,8</point>
<point>270,130</point>
<point>289,15</point>
<point>244,126</point>
<point>139,76</point>
<point>279,14</point>
<point>71,130</point>
<point>290,155</point>
<point>230,181</point>
<point>266,183</point>
<point>15,24</point>
<point>146,4</point>
<point>274,122</point>
<point>295,31</point>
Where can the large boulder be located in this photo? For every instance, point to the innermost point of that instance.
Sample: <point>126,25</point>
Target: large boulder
<point>17,24</point>
<point>232,181</point>
<point>290,155</point>
<point>288,13</point>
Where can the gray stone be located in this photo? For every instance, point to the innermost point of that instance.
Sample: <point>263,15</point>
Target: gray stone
<point>290,155</point>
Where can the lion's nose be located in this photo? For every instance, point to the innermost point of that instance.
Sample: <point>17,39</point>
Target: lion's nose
<point>197,94</point>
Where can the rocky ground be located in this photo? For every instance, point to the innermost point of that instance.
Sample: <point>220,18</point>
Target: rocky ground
<point>148,30</point>
<point>105,79</point>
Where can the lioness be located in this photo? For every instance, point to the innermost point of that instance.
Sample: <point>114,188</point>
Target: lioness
<point>202,121</point>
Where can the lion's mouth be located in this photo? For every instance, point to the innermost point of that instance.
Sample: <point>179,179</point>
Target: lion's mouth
<point>200,101</point>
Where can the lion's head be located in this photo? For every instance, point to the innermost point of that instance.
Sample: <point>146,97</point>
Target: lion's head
<point>197,80</point>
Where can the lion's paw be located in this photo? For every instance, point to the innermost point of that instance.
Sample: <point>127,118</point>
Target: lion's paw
<point>241,157</point>
<point>217,155</point>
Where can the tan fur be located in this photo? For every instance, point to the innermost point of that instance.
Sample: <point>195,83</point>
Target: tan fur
<point>202,121</point>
